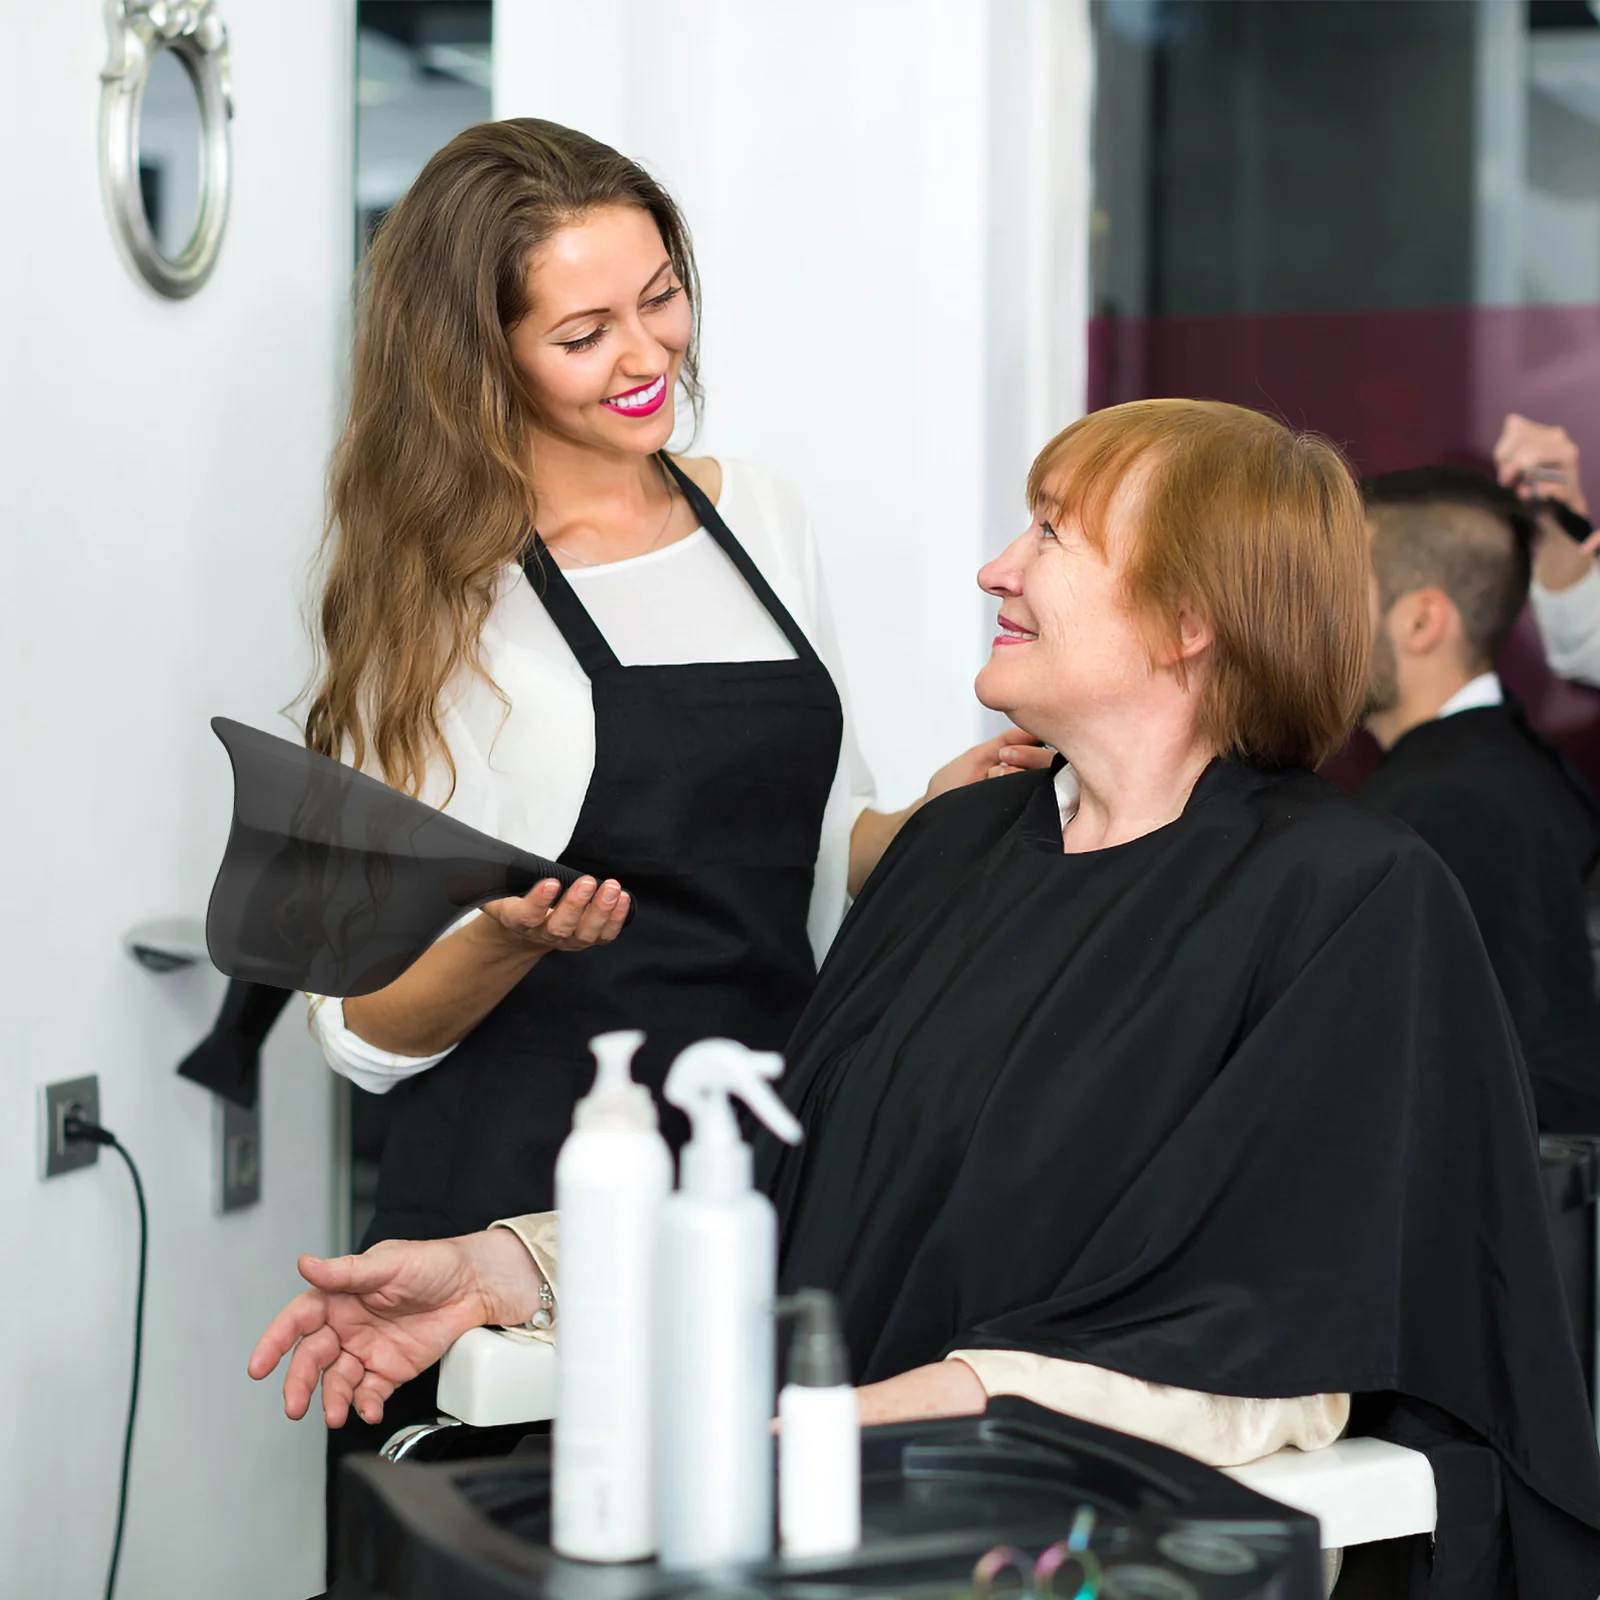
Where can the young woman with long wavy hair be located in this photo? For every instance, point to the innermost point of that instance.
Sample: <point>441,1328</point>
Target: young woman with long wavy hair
<point>536,618</point>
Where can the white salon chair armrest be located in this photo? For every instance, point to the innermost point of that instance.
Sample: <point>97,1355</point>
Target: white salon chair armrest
<point>489,1378</point>
<point>1359,1490</point>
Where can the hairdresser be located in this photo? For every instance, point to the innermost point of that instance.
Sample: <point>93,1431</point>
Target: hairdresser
<point>539,620</point>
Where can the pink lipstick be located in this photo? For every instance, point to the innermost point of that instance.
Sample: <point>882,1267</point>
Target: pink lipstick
<point>1010,633</point>
<point>644,401</point>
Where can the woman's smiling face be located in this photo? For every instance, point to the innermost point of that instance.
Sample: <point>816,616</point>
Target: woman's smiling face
<point>605,333</point>
<point>1068,645</point>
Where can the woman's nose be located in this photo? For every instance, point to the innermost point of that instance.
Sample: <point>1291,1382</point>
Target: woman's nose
<point>1003,575</point>
<point>642,355</point>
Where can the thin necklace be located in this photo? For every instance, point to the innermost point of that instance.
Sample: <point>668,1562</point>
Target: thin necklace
<point>572,555</point>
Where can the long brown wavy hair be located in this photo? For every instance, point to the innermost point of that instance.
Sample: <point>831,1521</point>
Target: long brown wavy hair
<point>429,494</point>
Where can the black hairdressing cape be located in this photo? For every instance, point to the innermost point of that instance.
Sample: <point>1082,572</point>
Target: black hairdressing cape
<point>1235,1106</point>
<point>1520,830</point>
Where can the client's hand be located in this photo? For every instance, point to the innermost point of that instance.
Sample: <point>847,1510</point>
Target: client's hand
<point>589,913</point>
<point>375,1320</point>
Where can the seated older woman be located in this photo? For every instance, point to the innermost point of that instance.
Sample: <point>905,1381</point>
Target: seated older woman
<point>1171,1087</point>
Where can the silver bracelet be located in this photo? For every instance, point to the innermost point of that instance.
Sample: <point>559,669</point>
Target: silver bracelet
<point>545,1315</point>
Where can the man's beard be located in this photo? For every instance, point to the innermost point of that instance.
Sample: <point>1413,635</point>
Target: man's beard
<point>1383,676</point>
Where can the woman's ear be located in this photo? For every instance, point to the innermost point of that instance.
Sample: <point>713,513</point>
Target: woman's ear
<point>1193,635</point>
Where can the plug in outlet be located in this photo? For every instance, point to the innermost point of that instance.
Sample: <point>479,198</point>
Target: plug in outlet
<point>56,1100</point>
<point>238,1155</point>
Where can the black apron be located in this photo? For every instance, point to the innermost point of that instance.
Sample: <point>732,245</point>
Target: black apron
<point>706,804</point>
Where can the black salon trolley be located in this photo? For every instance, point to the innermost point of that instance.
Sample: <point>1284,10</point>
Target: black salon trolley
<point>938,1498</point>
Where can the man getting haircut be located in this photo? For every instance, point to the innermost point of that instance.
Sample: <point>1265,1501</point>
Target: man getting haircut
<point>1515,823</point>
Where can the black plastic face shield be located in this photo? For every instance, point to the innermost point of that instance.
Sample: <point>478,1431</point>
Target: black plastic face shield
<point>333,882</point>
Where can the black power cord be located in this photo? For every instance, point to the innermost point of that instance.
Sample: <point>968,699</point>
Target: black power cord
<point>80,1130</point>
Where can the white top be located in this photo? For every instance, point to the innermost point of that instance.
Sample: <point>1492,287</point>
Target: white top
<point>522,775</point>
<point>1569,624</point>
<point>1484,690</point>
<point>1068,793</point>
<point>676,605</point>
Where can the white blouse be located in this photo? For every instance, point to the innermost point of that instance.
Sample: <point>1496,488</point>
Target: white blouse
<point>1569,625</point>
<point>521,775</point>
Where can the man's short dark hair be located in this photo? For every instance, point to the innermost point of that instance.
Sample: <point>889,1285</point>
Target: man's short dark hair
<point>1454,529</point>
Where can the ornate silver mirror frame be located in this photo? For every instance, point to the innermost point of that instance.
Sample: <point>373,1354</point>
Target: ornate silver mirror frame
<point>139,31</point>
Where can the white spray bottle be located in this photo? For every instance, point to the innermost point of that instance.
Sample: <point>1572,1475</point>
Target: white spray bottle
<point>612,1175</point>
<point>717,1268</point>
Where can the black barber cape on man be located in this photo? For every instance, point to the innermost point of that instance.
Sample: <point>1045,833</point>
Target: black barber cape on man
<point>1235,1106</point>
<point>1521,831</point>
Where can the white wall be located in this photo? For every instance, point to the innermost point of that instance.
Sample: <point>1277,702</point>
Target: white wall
<point>889,200</point>
<point>160,471</point>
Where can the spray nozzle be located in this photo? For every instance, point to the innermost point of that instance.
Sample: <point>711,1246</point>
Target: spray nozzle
<point>701,1082</point>
<point>817,1355</point>
<point>615,1099</point>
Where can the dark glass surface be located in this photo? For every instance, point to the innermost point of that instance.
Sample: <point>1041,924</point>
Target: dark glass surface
<point>1380,222</point>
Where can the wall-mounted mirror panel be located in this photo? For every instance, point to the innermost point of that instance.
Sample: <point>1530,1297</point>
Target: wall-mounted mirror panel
<point>423,73</point>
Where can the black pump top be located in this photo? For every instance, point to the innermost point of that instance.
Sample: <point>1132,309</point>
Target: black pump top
<point>817,1355</point>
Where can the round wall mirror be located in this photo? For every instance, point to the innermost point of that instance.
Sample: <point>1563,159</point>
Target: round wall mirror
<point>164,156</point>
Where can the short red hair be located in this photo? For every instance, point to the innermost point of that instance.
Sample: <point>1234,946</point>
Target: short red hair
<point>1260,530</point>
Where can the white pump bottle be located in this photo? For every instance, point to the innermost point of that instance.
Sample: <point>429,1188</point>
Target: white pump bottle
<point>717,1267</point>
<point>612,1175</point>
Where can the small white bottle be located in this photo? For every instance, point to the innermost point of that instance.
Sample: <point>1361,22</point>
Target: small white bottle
<point>717,1276</point>
<point>612,1175</point>
<point>819,1436</point>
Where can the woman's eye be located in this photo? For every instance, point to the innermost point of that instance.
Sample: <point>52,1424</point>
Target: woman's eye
<point>587,342</point>
<point>667,294</point>
<point>1046,531</point>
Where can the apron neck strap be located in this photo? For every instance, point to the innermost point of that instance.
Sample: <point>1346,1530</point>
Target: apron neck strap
<point>736,553</point>
<point>567,611</point>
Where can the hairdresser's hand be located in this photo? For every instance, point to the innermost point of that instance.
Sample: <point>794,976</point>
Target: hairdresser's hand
<point>1541,463</point>
<point>588,914</point>
<point>874,831</point>
<point>373,1321</point>
<point>1011,751</point>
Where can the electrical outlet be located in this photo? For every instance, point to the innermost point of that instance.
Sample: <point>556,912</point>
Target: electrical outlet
<point>55,1101</point>
<point>238,1155</point>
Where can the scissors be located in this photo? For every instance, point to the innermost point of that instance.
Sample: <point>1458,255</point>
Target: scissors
<point>1041,1581</point>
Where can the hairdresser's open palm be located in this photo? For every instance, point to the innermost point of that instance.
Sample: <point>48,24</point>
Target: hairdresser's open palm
<point>590,913</point>
<point>373,1321</point>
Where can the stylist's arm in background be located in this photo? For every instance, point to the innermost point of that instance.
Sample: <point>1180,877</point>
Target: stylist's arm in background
<point>1541,463</point>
